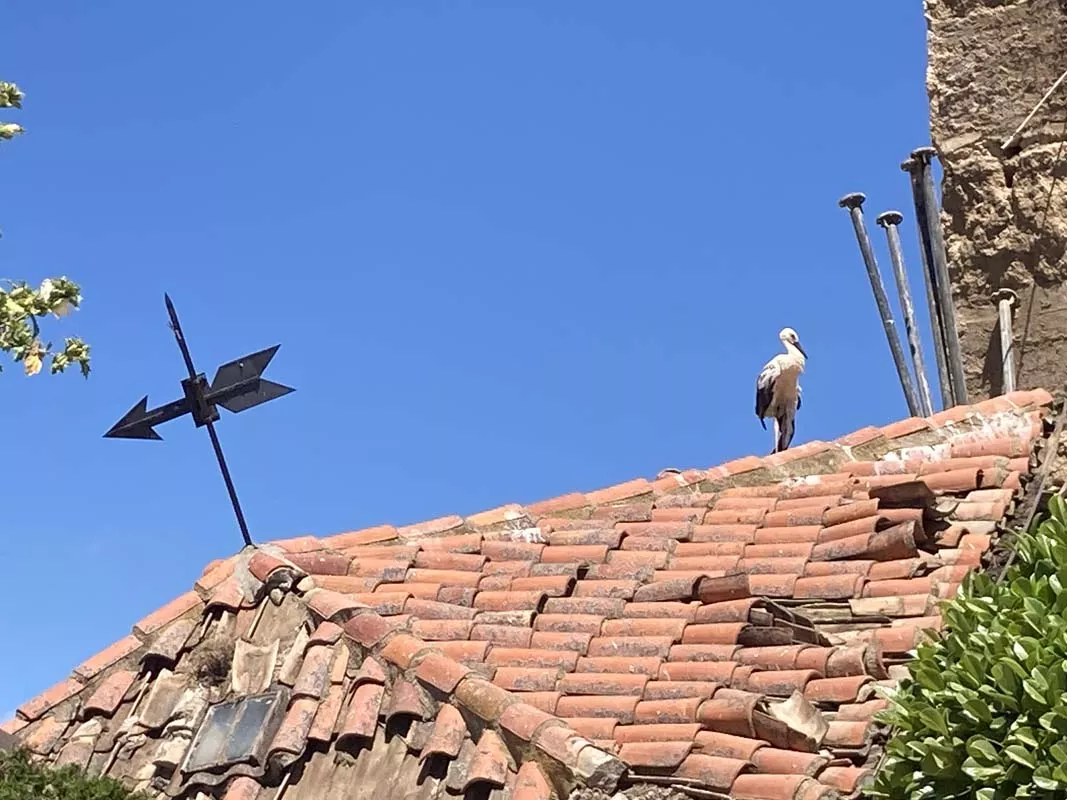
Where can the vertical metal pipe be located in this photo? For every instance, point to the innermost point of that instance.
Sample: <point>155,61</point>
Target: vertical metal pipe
<point>944,379</point>
<point>853,202</point>
<point>943,286</point>
<point>889,220</point>
<point>1005,299</point>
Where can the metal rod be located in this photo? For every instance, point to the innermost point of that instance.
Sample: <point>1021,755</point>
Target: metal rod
<point>944,380</point>
<point>954,357</point>
<point>1011,139</point>
<point>1005,299</point>
<point>853,202</point>
<point>175,326</point>
<point>889,220</point>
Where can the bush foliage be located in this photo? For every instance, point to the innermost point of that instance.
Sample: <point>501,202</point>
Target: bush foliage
<point>23,779</point>
<point>984,714</point>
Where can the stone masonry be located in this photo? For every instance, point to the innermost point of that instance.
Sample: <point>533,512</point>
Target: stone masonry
<point>1005,212</point>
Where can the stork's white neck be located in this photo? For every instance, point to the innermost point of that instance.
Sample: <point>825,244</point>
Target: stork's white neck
<point>794,353</point>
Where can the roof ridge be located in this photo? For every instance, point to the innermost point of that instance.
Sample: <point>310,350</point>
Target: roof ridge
<point>812,457</point>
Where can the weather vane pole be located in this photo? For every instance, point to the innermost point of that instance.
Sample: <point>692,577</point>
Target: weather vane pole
<point>237,386</point>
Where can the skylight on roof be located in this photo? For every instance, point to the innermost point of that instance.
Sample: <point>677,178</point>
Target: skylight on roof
<point>236,731</point>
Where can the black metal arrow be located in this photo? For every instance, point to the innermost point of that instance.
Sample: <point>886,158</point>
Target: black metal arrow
<point>238,385</point>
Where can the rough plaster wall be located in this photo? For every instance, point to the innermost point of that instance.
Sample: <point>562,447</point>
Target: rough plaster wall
<point>990,61</point>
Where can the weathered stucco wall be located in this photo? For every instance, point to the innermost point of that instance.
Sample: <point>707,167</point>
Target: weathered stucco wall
<point>1005,212</point>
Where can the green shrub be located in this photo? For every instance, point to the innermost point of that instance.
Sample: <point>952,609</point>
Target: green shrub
<point>984,713</point>
<point>23,779</point>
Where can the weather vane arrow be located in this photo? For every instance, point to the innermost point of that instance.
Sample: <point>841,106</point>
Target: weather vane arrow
<point>238,385</point>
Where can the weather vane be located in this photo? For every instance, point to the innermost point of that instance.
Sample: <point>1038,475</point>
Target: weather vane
<point>237,386</point>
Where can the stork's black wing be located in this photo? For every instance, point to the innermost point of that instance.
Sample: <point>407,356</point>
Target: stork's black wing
<point>765,390</point>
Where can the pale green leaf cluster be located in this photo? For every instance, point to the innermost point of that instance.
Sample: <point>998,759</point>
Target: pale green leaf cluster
<point>984,714</point>
<point>21,305</point>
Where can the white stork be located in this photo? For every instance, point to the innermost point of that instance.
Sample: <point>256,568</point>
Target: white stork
<point>778,389</point>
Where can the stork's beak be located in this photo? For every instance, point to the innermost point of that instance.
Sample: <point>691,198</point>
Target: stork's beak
<point>801,349</point>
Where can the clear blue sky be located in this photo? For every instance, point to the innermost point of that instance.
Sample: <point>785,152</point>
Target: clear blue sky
<point>510,250</point>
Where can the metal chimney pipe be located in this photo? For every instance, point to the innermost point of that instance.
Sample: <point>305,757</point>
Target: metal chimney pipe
<point>943,286</point>
<point>944,379</point>
<point>889,220</point>
<point>1005,299</point>
<point>853,202</point>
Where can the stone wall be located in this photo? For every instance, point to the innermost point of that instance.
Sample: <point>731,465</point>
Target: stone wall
<point>1005,212</point>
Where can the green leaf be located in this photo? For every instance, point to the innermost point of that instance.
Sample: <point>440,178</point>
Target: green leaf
<point>1020,755</point>
<point>981,750</point>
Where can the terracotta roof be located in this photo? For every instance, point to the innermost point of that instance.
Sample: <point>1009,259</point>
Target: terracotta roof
<point>721,632</point>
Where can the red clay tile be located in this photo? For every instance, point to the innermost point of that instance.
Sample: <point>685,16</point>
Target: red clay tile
<point>718,773</point>
<point>622,589</point>
<point>678,514</point>
<point>778,550</point>
<point>797,534</point>
<point>682,588</point>
<point>751,516</point>
<point>422,591</point>
<point>850,512</point>
<point>708,549</point>
<point>622,491</point>
<point>546,701</point>
<point>829,587</point>
<point>774,761</point>
<point>531,784</point>
<point>292,734</point>
<point>667,712</point>
<point>390,570</point>
<point>540,659</point>
<point>725,745</point>
<point>772,657</point>
<point>718,590</point>
<point>347,584</point>
<point>603,683</point>
<point>1007,446</point>
<point>575,554</point>
<point>780,683</point>
<point>620,664</point>
<point>437,609</point>
<point>445,577</point>
<point>658,629</point>
<point>489,766</point>
<point>724,533</point>
<point>683,611</point>
<point>593,728</point>
<point>980,511</point>
<point>786,565</point>
<point>569,623</point>
<point>665,732</point>
<point>620,707</point>
<point>836,690</point>
<point>677,690</point>
<point>861,711</point>
<point>676,530</point>
<point>384,603</point>
<point>464,652</point>
<point>895,588</point>
<point>556,505</point>
<point>846,779</point>
<point>242,788</point>
<point>370,671</point>
<point>367,629</point>
<point>375,535</point>
<point>170,612</point>
<point>655,755</point>
<point>820,569</point>
<point>758,786</point>
<point>847,734</point>
<point>512,551</point>
<point>457,543</point>
<point>402,649</point>
<point>444,560</point>
<point>108,695</point>
<point>639,646</point>
<point>850,529</point>
<point>505,635</point>
<point>448,734</point>
<point>708,564</point>
<point>632,559</point>
<point>442,629</point>
<point>496,516</point>
<point>524,721</point>
<point>600,606</point>
<point>704,671</point>
<point>321,563</point>
<point>804,515</point>
<point>326,716</point>
<point>608,537</point>
<point>527,679</point>
<point>514,569</point>
<point>552,640</point>
<point>551,585</point>
<point>900,568</point>
<point>905,427</point>
<point>105,658</point>
<point>647,544</point>
<point>772,585</point>
<point>703,652</point>
<point>736,503</point>
<point>509,601</point>
<point>483,698</point>
<point>713,633</point>
<point>729,712</point>
<point>737,610</point>
<point>441,672</point>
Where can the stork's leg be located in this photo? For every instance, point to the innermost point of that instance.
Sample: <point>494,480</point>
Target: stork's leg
<point>777,436</point>
<point>787,426</point>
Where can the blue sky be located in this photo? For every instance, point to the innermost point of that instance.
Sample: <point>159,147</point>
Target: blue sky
<point>509,249</point>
